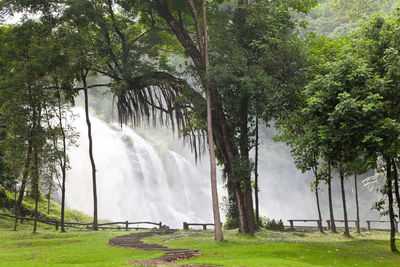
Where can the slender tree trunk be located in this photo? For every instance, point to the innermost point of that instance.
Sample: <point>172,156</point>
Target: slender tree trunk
<point>256,190</point>
<point>214,192</point>
<point>389,193</point>
<point>24,181</point>
<point>246,173</point>
<point>48,197</point>
<point>36,185</point>
<point>357,206</point>
<point>89,125</point>
<point>36,180</point>
<point>346,222</point>
<point>396,184</point>
<point>317,198</point>
<point>63,158</point>
<point>332,217</point>
<point>15,205</point>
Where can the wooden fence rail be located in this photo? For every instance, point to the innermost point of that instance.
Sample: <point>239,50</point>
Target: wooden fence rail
<point>120,225</point>
<point>319,223</point>
<point>341,221</point>
<point>375,221</point>
<point>186,225</point>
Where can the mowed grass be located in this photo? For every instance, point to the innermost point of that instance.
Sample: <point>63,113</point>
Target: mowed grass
<point>299,248</point>
<point>268,248</point>
<point>74,248</point>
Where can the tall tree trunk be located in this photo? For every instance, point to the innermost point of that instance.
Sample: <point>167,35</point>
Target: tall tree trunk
<point>331,215</point>
<point>241,215</point>
<point>15,204</point>
<point>63,158</point>
<point>389,193</point>
<point>231,159</point>
<point>346,222</point>
<point>396,184</point>
<point>357,206</point>
<point>214,192</point>
<point>24,180</point>
<point>256,176</point>
<point>246,173</point>
<point>36,185</point>
<point>36,180</point>
<point>317,198</point>
<point>89,125</point>
<point>48,197</point>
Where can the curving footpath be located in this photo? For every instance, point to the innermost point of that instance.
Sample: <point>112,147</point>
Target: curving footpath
<point>133,240</point>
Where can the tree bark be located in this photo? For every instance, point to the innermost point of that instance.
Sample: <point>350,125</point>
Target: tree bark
<point>346,222</point>
<point>241,215</point>
<point>48,197</point>
<point>389,192</point>
<point>36,117</point>
<point>357,206</point>
<point>24,180</point>
<point>396,184</point>
<point>256,176</point>
<point>89,125</point>
<point>217,219</point>
<point>63,159</point>
<point>317,198</point>
<point>36,185</point>
<point>332,217</point>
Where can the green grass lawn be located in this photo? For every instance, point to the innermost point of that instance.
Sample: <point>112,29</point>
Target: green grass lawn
<point>50,248</point>
<point>300,248</point>
<point>268,248</point>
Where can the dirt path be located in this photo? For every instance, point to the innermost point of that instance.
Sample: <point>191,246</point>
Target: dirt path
<point>133,240</point>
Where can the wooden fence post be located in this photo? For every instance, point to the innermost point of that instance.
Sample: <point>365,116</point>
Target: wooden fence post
<point>319,223</point>
<point>185,226</point>
<point>56,225</point>
<point>369,225</point>
<point>291,225</point>
<point>126,225</point>
<point>159,225</point>
<point>329,224</point>
<point>204,226</point>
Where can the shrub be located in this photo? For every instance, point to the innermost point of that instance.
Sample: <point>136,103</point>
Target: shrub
<point>274,225</point>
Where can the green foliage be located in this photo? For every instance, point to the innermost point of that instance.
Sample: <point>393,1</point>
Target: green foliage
<point>7,204</point>
<point>274,225</point>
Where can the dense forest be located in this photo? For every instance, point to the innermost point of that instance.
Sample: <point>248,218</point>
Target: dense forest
<point>325,75</point>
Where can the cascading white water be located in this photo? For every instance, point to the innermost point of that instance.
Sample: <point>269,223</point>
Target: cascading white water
<point>143,179</point>
<point>136,179</point>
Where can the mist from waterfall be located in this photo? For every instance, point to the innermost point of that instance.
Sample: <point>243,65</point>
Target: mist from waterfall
<point>146,174</point>
<point>136,179</point>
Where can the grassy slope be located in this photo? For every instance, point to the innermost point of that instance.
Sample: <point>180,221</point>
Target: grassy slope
<point>50,248</point>
<point>287,249</point>
<point>28,206</point>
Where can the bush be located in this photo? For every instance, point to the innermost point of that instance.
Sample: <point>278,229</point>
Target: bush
<point>269,224</point>
<point>231,223</point>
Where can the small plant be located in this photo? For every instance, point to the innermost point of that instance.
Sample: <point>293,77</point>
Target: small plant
<point>273,225</point>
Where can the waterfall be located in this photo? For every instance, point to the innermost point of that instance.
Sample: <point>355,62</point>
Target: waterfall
<point>136,178</point>
<point>148,176</point>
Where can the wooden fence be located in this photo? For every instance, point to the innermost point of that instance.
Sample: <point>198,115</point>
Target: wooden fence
<point>87,226</point>
<point>186,225</point>
<point>328,222</point>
